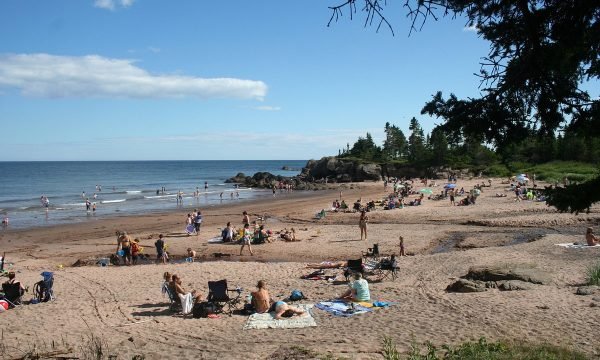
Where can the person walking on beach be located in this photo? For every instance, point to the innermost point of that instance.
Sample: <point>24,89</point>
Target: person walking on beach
<point>245,219</point>
<point>246,239</point>
<point>362,224</point>
<point>198,221</point>
<point>402,253</point>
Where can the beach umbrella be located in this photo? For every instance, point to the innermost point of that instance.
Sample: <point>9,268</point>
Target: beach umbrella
<point>449,186</point>
<point>426,191</point>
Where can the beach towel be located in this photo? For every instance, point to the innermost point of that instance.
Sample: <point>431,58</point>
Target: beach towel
<point>187,303</point>
<point>190,229</point>
<point>341,308</point>
<point>215,240</point>
<point>267,320</point>
<point>577,246</point>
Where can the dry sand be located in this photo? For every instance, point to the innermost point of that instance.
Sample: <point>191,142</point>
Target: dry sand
<point>123,306</point>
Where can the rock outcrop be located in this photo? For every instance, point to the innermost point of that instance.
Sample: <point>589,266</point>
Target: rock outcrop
<point>504,278</point>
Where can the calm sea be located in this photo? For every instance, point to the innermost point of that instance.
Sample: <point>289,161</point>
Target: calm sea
<point>120,187</point>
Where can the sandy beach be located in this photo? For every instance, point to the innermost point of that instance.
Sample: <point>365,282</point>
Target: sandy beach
<point>124,307</point>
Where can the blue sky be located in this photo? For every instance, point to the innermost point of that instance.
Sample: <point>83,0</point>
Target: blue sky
<point>148,79</point>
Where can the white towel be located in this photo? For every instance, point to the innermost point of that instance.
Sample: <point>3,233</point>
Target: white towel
<point>577,246</point>
<point>187,303</point>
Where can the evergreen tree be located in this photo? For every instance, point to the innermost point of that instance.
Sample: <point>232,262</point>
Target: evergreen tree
<point>416,142</point>
<point>394,145</point>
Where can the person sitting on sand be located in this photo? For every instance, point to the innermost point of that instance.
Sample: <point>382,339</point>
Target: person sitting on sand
<point>359,290</point>
<point>136,250</point>
<point>191,254</point>
<point>12,280</point>
<point>288,235</point>
<point>261,300</point>
<point>283,311</point>
<point>591,239</point>
<point>228,233</point>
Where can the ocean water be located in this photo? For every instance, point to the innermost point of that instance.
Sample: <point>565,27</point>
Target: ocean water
<point>124,187</point>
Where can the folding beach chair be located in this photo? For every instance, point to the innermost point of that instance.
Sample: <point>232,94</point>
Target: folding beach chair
<point>174,302</point>
<point>43,289</point>
<point>352,267</point>
<point>218,294</point>
<point>12,293</point>
<point>384,269</point>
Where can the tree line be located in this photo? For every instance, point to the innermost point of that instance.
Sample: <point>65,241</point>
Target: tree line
<point>442,148</point>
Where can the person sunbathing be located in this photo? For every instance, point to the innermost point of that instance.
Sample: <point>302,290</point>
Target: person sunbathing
<point>288,235</point>
<point>359,290</point>
<point>328,265</point>
<point>283,311</point>
<point>181,292</point>
<point>261,300</point>
<point>591,239</point>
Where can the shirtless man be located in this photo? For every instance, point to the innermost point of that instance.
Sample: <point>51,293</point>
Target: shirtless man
<point>124,243</point>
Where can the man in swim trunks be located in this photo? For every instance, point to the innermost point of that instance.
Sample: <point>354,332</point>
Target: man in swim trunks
<point>125,245</point>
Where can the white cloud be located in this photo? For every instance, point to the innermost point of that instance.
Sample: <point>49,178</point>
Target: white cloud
<point>51,76</point>
<point>268,108</point>
<point>112,4</point>
<point>153,49</point>
<point>471,28</point>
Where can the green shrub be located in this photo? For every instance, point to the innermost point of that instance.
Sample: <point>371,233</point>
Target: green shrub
<point>500,350</point>
<point>593,274</point>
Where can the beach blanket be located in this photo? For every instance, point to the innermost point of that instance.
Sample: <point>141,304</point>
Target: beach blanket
<point>341,308</point>
<point>267,320</point>
<point>215,240</point>
<point>577,246</point>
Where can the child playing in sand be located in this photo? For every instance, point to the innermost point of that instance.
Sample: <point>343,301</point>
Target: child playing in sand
<point>191,254</point>
<point>402,253</point>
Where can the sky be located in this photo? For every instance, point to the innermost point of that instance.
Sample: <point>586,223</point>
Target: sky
<point>215,80</point>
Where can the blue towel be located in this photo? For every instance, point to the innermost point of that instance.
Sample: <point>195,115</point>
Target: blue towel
<point>341,308</point>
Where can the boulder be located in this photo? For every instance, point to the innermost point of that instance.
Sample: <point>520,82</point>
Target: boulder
<point>512,285</point>
<point>501,273</point>
<point>466,286</point>
<point>240,178</point>
<point>587,290</point>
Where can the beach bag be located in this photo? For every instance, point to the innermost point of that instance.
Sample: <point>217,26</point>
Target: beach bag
<point>203,309</point>
<point>296,295</point>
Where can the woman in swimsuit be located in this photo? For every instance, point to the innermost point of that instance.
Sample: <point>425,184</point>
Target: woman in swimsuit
<point>362,224</point>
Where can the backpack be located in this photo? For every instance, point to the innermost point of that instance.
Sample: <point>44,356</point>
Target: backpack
<point>296,295</point>
<point>203,309</point>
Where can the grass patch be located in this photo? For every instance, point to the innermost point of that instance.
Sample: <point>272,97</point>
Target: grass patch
<point>482,350</point>
<point>556,171</point>
<point>593,274</point>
